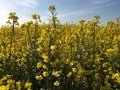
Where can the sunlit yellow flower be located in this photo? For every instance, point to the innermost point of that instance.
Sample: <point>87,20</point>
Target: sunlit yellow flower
<point>56,83</point>
<point>38,77</point>
<point>45,57</point>
<point>39,49</point>
<point>74,70</point>
<point>56,73</point>
<point>53,47</point>
<point>116,77</point>
<point>18,85</point>
<point>44,66</point>
<point>45,73</point>
<point>39,65</point>
<point>71,63</point>
<point>28,85</point>
<point>69,74</point>
<point>4,87</point>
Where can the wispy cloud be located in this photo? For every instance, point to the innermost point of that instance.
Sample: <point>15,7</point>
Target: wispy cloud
<point>18,6</point>
<point>100,1</point>
<point>102,6</point>
<point>89,10</point>
<point>28,3</point>
<point>81,12</point>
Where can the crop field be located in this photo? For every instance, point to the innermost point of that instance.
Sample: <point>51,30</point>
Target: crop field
<point>56,56</point>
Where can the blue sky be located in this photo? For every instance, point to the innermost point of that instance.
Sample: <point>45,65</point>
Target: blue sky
<point>68,10</point>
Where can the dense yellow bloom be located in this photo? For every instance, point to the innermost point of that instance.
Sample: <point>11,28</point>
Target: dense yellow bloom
<point>39,49</point>
<point>38,77</point>
<point>12,15</point>
<point>112,51</point>
<point>45,57</point>
<point>18,85</point>
<point>116,77</point>
<point>11,83</point>
<point>4,87</point>
<point>39,65</point>
<point>28,85</point>
<point>53,47</point>
<point>69,74</point>
<point>52,7</point>
<point>1,55</point>
<point>74,70</point>
<point>56,83</point>
<point>45,73</point>
<point>71,63</point>
<point>56,73</point>
<point>44,66</point>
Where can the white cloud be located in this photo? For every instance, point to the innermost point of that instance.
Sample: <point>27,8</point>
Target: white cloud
<point>21,7</point>
<point>4,10</point>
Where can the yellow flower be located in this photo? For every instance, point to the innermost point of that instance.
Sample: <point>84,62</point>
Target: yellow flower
<point>112,51</point>
<point>74,70</point>
<point>4,87</point>
<point>71,63</point>
<point>18,85</point>
<point>69,74</point>
<point>45,74</point>
<point>45,57</point>
<point>44,66</point>
<point>34,16</point>
<point>56,83</point>
<point>53,47</point>
<point>52,7</point>
<point>56,73</point>
<point>39,49</point>
<point>116,77</point>
<point>38,77</point>
<point>39,65</point>
<point>28,85</point>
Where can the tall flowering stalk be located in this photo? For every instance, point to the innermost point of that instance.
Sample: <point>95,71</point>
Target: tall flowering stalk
<point>82,41</point>
<point>14,21</point>
<point>52,9</point>
<point>53,21</point>
<point>94,34</point>
<point>36,18</point>
<point>27,25</point>
<point>54,18</point>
